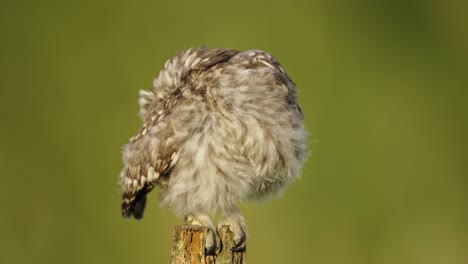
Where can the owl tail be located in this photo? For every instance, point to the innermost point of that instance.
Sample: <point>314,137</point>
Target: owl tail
<point>134,207</point>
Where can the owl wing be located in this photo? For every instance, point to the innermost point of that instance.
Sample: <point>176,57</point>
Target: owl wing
<point>148,162</point>
<point>148,157</point>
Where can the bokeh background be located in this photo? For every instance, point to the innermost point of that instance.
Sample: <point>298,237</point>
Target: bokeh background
<point>383,85</point>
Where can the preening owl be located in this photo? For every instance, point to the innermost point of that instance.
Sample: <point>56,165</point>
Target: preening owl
<point>220,126</point>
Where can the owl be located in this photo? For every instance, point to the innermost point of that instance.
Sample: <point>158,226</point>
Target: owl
<point>220,126</point>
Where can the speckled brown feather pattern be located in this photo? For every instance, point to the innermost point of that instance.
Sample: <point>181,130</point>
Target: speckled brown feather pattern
<point>219,127</point>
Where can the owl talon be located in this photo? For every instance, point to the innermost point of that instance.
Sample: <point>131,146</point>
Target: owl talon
<point>239,245</point>
<point>236,224</point>
<point>212,241</point>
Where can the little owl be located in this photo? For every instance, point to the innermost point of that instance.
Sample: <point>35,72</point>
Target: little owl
<point>220,126</point>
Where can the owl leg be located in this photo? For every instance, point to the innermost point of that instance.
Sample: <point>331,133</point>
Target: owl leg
<point>236,223</point>
<point>212,242</point>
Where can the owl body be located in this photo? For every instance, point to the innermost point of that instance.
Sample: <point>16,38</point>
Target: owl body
<point>220,126</point>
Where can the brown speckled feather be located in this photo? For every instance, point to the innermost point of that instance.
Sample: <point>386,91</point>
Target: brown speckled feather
<point>219,127</point>
<point>141,175</point>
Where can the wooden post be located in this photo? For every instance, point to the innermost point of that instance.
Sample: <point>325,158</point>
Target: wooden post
<point>189,247</point>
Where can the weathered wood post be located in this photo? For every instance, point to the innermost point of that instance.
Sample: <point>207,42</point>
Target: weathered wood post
<point>189,247</point>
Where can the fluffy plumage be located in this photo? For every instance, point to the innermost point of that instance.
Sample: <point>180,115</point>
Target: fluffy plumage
<point>219,126</point>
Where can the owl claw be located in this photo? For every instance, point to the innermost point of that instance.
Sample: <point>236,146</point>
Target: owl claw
<point>212,241</point>
<point>239,245</point>
<point>238,227</point>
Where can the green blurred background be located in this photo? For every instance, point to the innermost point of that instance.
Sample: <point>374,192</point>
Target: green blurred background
<point>383,85</point>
